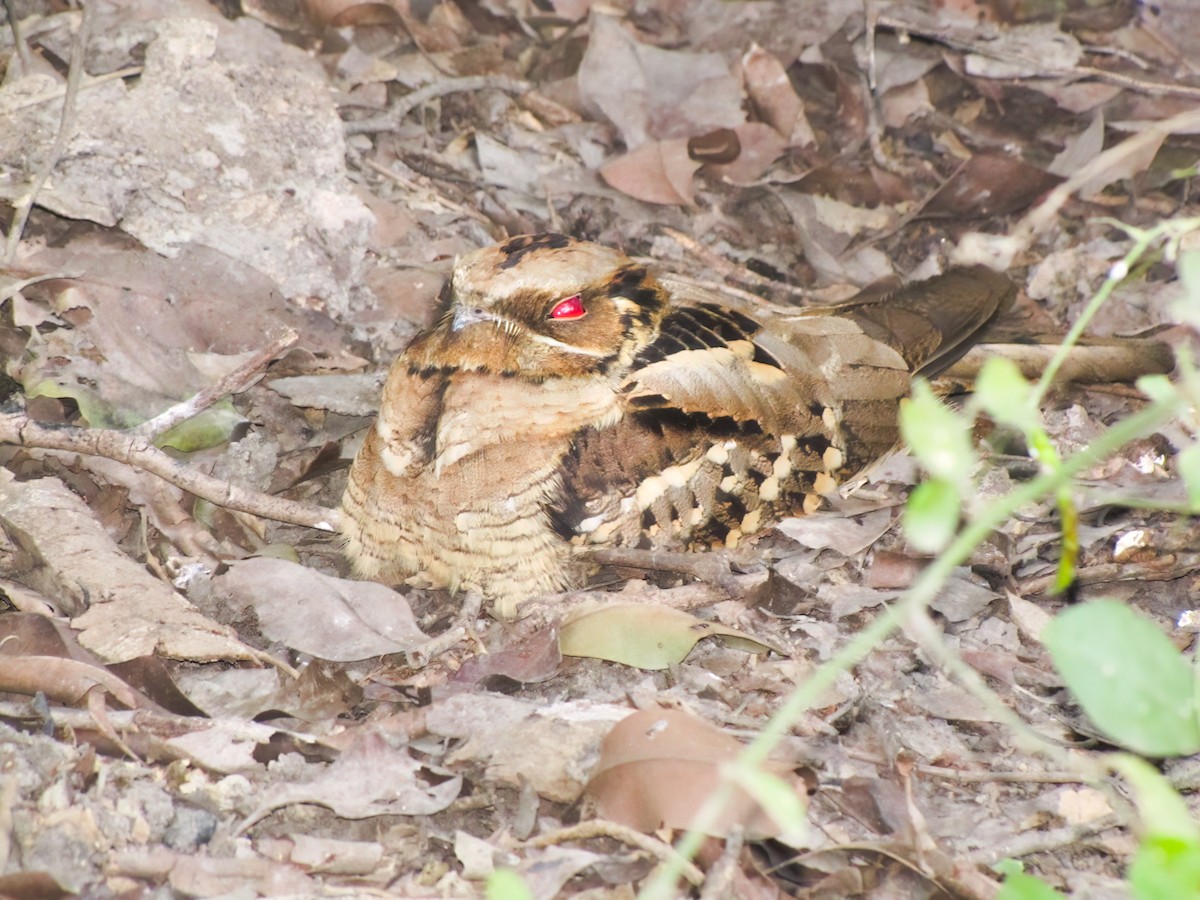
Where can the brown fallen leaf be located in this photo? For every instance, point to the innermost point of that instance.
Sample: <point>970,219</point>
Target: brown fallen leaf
<point>657,768</point>
<point>988,185</point>
<point>659,172</point>
<point>650,93</point>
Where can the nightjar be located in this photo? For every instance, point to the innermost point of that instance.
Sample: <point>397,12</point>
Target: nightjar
<point>568,398</point>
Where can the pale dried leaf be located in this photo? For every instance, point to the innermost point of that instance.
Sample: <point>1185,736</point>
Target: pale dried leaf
<point>331,618</point>
<point>372,778</point>
<point>75,561</point>
<point>655,94</point>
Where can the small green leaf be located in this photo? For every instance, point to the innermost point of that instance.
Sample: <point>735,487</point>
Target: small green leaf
<point>1187,307</point>
<point>931,516</point>
<point>1019,886</point>
<point>208,428</point>
<point>1130,679</point>
<point>937,436</point>
<point>96,412</point>
<point>1166,869</point>
<point>1164,813</point>
<point>505,884</point>
<point>778,799</point>
<point>1004,393</point>
<point>1187,463</point>
<point>1158,388</point>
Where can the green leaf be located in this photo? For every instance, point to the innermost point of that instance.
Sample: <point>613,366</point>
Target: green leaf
<point>931,516</point>
<point>1187,463</point>
<point>96,412</point>
<point>1004,393</point>
<point>209,428</point>
<point>505,884</point>
<point>1164,813</point>
<point>1167,864</point>
<point>1130,679</point>
<point>1019,886</point>
<point>1166,869</point>
<point>778,799</point>
<point>1158,388</point>
<point>1187,308</point>
<point>937,436</point>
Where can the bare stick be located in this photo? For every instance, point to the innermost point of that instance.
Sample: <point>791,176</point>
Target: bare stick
<point>391,120</point>
<point>594,828</point>
<point>233,383</point>
<point>19,429</point>
<point>952,38</point>
<point>66,125</point>
<point>136,448</point>
<point>14,22</point>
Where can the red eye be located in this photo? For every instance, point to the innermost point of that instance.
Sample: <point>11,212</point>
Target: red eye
<point>571,308</point>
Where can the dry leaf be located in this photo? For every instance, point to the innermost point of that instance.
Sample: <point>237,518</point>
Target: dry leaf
<point>331,618</point>
<point>654,94</point>
<point>657,767</point>
<point>645,635</point>
<point>659,172</point>
<point>121,610</point>
<point>372,778</point>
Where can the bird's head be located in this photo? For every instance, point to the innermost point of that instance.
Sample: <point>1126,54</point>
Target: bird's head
<point>543,306</point>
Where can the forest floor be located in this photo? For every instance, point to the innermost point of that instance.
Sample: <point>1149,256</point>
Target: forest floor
<point>197,701</point>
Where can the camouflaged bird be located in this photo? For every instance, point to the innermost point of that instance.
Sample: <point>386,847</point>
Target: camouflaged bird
<point>568,398</point>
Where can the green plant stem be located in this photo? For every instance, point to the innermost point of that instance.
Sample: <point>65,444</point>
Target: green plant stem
<point>918,596</point>
<point>1142,240</point>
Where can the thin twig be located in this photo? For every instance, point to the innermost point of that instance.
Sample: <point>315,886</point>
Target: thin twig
<point>14,23</point>
<point>53,93</point>
<point>136,448</point>
<point>391,120</point>
<point>19,429</point>
<point>594,828</point>
<point>462,630</point>
<point>984,48</point>
<point>66,125</point>
<point>233,383</point>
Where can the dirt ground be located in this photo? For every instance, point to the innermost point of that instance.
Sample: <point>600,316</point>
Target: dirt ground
<point>233,218</point>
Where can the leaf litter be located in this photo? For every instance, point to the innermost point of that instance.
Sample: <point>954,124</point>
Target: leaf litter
<point>231,174</point>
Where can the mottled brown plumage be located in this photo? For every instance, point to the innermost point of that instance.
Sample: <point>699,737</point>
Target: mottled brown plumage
<point>567,398</point>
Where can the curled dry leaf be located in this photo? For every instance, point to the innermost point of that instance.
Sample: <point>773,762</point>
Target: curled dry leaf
<point>646,635</point>
<point>759,146</point>
<point>548,745</point>
<point>196,875</point>
<point>658,766</point>
<point>774,98</point>
<point>528,660</point>
<point>846,535</point>
<point>350,395</point>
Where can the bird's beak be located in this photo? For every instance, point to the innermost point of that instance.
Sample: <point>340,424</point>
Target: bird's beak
<point>469,316</point>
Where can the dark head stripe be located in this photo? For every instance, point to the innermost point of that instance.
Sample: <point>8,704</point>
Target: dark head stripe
<point>516,248</point>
